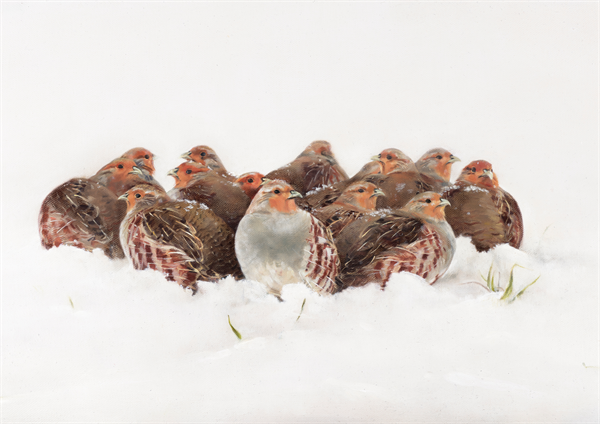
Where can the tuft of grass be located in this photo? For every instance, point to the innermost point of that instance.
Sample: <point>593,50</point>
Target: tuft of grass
<point>301,309</point>
<point>71,302</point>
<point>237,333</point>
<point>588,366</point>
<point>506,296</point>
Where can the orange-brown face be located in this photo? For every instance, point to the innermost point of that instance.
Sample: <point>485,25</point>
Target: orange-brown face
<point>393,160</point>
<point>439,161</point>
<point>143,157</point>
<point>185,172</point>
<point>120,168</point>
<point>135,196</point>
<point>200,154</point>
<point>479,172</point>
<point>428,204</point>
<point>278,195</point>
<point>250,182</point>
<point>362,194</point>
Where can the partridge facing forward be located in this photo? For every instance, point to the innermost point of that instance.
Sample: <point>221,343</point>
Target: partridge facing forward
<point>400,182</point>
<point>182,239</point>
<point>86,213</point>
<point>415,239</point>
<point>482,210</point>
<point>315,167</point>
<point>200,184</point>
<point>357,200</point>
<point>435,167</point>
<point>277,243</point>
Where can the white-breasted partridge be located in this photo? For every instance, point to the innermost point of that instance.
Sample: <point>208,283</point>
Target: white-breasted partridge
<point>482,210</point>
<point>278,243</point>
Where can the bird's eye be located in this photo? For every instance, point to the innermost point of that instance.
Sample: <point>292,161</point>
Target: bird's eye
<point>250,180</point>
<point>473,169</point>
<point>276,192</point>
<point>389,157</point>
<point>189,171</point>
<point>120,166</point>
<point>438,157</point>
<point>138,195</point>
<point>147,156</point>
<point>428,201</point>
<point>203,154</point>
<point>361,190</point>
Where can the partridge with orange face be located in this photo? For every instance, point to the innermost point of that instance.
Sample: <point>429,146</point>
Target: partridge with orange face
<point>315,167</point>
<point>357,200</point>
<point>205,155</point>
<point>401,180</point>
<point>277,243</point>
<point>200,184</point>
<point>482,210</point>
<point>250,182</point>
<point>86,213</point>
<point>184,240</point>
<point>415,239</point>
<point>435,167</point>
<point>143,158</point>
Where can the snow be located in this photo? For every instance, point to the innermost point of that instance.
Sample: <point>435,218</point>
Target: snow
<point>87,339</point>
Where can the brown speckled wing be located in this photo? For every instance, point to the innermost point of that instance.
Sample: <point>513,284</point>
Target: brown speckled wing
<point>323,263</point>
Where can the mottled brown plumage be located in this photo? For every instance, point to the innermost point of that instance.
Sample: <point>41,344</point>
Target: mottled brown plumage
<point>184,240</point>
<point>86,213</point>
<point>315,167</point>
<point>205,155</point>
<point>415,239</point>
<point>223,197</point>
<point>482,210</point>
<point>357,200</point>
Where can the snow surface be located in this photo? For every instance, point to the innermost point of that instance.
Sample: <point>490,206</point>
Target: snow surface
<point>86,339</point>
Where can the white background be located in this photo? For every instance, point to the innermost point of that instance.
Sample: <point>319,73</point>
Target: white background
<point>513,83</point>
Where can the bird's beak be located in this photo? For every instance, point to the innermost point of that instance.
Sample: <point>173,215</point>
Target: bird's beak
<point>377,192</point>
<point>137,171</point>
<point>294,193</point>
<point>173,173</point>
<point>453,159</point>
<point>488,173</point>
<point>123,196</point>
<point>187,156</point>
<point>264,181</point>
<point>443,203</point>
<point>376,158</point>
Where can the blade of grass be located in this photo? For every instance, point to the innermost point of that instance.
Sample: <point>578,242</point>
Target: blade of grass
<point>301,309</point>
<point>525,288</point>
<point>237,333</point>
<point>71,302</point>
<point>509,288</point>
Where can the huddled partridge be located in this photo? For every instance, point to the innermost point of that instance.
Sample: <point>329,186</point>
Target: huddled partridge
<point>86,212</point>
<point>400,179</point>
<point>435,167</point>
<point>184,240</point>
<point>415,239</point>
<point>315,167</point>
<point>357,200</point>
<point>250,182</point>
<point>482,210</point>
<point>205,155</point>
<point>277,243</point>
<point>201,184</point>
<point>143,158</point>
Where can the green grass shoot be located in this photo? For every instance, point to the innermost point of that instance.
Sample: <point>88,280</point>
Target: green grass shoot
<point>237,333</point>
<point>71,302</point>
<point>494,285</point>
<point>301,309</point>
